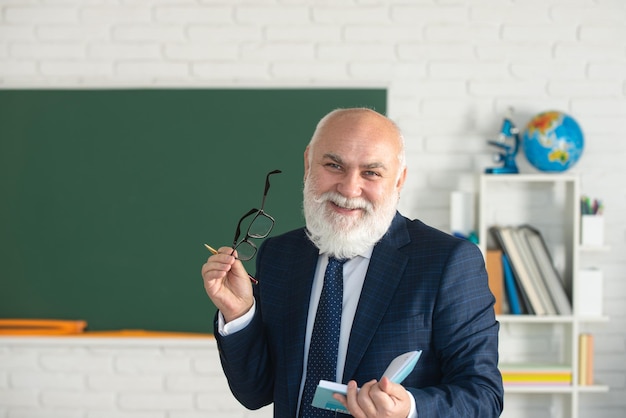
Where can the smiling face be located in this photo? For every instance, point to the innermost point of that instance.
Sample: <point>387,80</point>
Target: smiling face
<point>354,172</point>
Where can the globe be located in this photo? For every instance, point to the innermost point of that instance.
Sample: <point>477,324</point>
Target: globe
<point>552,141</point>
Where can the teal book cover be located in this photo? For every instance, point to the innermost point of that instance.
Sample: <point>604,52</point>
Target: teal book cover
<point>397,371</point>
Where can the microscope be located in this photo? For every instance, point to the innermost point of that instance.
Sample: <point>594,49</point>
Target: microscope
<point>508,150</point>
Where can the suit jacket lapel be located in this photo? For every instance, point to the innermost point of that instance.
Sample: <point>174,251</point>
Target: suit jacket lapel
<point>385,271</point>
<point>300,272</point>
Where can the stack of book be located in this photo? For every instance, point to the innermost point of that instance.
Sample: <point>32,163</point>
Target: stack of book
<point>532,284</point>
<point>538,374</point>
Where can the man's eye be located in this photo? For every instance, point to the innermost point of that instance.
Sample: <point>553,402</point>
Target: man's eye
<point>333,166</point>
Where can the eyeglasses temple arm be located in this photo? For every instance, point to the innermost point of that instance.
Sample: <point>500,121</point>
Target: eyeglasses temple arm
<point>267,186</point>
<point>238,230</point>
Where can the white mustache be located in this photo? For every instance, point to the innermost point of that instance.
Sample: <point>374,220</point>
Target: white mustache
<point>345,202</point>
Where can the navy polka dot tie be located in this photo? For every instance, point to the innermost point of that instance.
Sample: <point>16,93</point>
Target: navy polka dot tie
<point>322,362</point>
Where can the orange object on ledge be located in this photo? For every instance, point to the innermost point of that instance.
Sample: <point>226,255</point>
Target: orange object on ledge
<point>76,328</point>
<point>41,327</point>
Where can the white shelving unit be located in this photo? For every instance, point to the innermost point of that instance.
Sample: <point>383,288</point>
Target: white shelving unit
<point>549,202</point>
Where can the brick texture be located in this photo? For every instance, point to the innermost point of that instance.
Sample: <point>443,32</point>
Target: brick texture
<point>452,69</point>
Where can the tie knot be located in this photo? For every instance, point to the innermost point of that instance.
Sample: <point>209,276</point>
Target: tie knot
<point>336,261</point>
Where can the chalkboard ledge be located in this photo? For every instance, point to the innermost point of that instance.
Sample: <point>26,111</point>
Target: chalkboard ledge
<point>118,339</point>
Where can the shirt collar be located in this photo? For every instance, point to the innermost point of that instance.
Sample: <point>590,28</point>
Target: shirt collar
<point>367,254</point>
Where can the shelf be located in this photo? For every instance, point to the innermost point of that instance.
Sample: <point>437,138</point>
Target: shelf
<point>593,389</point>
<point>524,178</point>
<point>538,388</point>
<point>549,319</point>
<point>548,389</point>
<point>544,319</point>
<point>550,203</point>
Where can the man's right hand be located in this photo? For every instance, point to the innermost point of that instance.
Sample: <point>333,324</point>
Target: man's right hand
<point>227,283</point>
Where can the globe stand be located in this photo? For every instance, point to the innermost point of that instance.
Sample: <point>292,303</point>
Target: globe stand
<point>508,153</point>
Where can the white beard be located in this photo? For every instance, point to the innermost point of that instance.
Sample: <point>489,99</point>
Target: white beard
<point>345,236</point>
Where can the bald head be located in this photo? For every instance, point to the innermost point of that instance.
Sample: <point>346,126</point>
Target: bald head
<point>343,123</point>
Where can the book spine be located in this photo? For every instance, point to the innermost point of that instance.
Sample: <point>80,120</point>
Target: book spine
<point>528,297</point>
<point>585,359</point>
<point>533,270</point>
<point>511,290</point>
<point>547,272</point>
<point>496,279</point>
<point>522,267</point>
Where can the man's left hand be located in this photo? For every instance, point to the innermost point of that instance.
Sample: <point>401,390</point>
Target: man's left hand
<point>376,399</point>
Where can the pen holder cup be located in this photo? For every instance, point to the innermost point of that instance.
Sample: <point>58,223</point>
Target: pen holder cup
<point>592,230</point>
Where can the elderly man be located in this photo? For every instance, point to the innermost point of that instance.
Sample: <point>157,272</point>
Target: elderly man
<point>395,285</point>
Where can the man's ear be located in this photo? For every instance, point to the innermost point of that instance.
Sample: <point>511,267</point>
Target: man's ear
<point>401,179</point>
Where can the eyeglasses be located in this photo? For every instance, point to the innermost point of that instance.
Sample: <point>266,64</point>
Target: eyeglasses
<point>257,224</point>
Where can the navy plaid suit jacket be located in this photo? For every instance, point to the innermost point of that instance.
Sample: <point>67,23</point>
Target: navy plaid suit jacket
<point>424,290</point>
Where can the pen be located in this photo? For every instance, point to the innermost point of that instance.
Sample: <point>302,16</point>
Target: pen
<point>214,251</point>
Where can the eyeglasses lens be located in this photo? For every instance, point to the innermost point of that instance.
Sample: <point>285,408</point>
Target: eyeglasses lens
<point>245,251</point>
<point>260,226</point>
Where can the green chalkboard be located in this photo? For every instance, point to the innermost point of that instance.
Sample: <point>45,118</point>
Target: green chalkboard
<point>107,196</point>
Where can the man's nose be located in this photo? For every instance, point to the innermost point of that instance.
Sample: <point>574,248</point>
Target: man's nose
<point>350,185</point>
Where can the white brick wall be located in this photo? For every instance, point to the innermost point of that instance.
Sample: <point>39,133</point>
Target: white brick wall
<point>115,378</point>
<point>451,67</point>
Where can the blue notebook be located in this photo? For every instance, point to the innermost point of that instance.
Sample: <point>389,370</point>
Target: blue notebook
<point>397,371</point>
<point>509,285</point>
